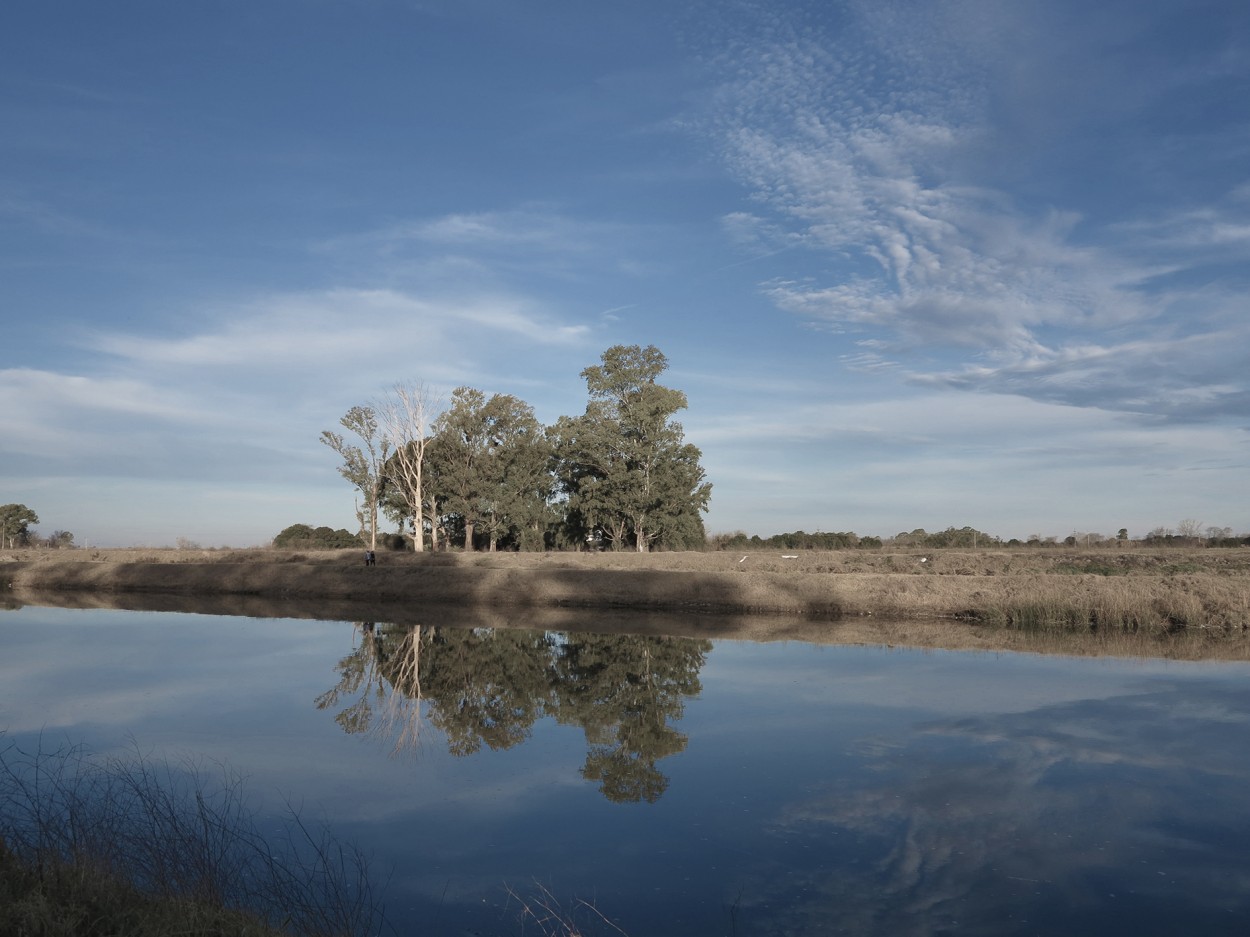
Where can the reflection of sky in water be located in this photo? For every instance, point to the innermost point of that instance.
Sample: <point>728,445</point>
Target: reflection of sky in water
<point>821,789</point>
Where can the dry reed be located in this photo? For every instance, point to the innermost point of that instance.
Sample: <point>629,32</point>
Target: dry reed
<point>143,843</point>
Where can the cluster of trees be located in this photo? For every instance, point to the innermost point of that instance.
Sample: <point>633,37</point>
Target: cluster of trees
<point>15,523</point>
<point>306,537</point>
<point>484,472</point>
<point>488,687</point>
<point>968,537</point>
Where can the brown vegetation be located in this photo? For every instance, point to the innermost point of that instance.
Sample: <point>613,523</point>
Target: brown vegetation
<point>1192,598</point>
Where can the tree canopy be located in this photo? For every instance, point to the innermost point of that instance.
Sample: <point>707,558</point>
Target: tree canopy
<point>489,464</point>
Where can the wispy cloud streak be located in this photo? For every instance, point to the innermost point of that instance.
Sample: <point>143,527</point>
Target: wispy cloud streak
<point>864,141</point>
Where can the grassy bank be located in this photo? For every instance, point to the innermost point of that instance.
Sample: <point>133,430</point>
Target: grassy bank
<point>1166,592</point>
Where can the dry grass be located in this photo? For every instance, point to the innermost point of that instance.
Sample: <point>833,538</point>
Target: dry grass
<point>543,912</point>
<point>139,846</point>
<point>1203,593</point>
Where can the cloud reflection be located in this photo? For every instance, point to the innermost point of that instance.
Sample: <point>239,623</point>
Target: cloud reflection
<point>984,823</point>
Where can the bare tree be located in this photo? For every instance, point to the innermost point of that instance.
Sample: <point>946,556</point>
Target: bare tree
<point>1190,529</point>
<point>406,413</point>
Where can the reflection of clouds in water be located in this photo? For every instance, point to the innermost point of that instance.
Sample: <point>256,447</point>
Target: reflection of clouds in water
<point>924,680</point>
<point>1134,804</point>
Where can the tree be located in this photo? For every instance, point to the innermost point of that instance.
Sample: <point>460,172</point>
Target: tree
<point>491,457</point>
<point>60,540</point>
<point>15,522</point>
<point>518,476</point>
<point>624,464</point>
<point>362,467</point>
<point>457,453</point>
<point>406,413</point>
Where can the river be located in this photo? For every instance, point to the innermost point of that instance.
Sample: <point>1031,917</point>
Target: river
<point>678,786</point>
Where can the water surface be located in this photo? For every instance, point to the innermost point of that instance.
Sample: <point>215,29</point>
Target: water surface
<point>690,787</point>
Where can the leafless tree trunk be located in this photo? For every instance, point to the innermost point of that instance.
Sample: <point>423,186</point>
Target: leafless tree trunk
<point>406,413</point>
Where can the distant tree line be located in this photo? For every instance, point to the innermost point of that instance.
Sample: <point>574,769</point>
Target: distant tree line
<point>303,536</point>
<point>484,473</point>
<point>798,540</point>
<point>1188,534</point>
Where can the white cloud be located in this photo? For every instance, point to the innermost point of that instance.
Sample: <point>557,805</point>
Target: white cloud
<point>491,246</point>
<point>864,143</point>
<point>52,416</point>
<point>339,328</point>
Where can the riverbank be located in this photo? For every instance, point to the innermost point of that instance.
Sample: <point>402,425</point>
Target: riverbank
<point>1203,595</point>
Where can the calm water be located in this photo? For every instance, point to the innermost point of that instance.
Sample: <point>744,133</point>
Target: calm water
<point>691,787</point>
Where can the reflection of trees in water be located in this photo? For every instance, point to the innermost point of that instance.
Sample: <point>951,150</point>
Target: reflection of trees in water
<point>625,691</point>
<point>488,687</point>
<point>357,676</point>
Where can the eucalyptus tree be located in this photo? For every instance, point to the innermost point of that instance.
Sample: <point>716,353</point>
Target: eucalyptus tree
<point>490,458</point>
<point>406,414</point>
<point>363,465</point>
<point>519,480</point>
<point>15,523</point>
<point>624,464</point>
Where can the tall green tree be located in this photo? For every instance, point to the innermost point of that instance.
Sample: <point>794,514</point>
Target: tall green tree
<point>625,466</point>
<point>489,459</point>
<point>15,523</point>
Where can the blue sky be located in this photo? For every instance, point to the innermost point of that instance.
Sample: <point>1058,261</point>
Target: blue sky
<point>914,264</point>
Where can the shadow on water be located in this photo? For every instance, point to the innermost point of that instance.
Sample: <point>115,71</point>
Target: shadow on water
<point>946,634</point>
<point>484,687</point>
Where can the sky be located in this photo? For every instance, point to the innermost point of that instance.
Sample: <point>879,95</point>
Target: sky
<point>913,264</point>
